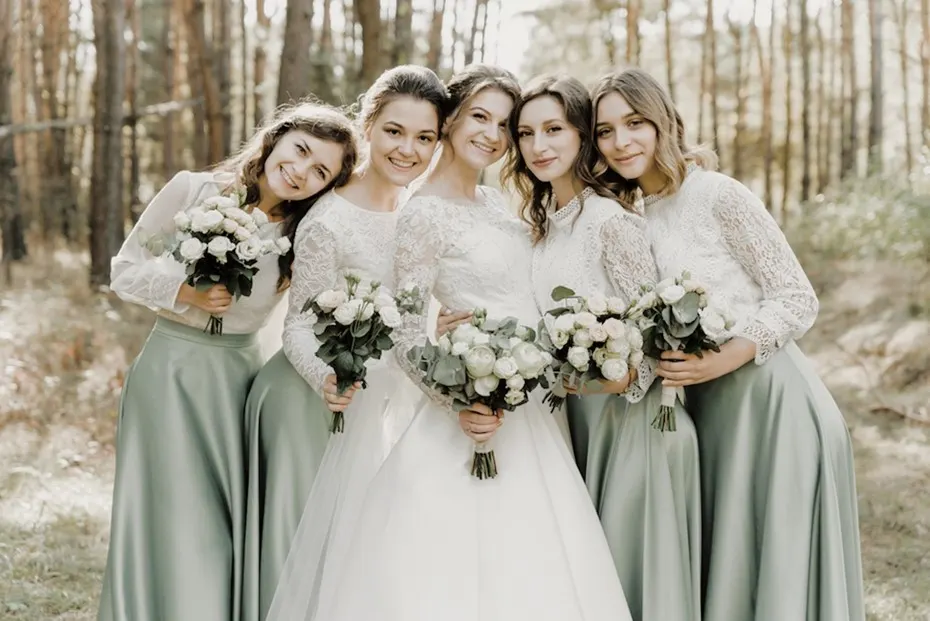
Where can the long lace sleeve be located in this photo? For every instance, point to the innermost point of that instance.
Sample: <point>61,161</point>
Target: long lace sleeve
<point>416,265</point>
<point>138,276</point>
<point>789,306</point>
<point>315,270</point>
<point>629,263</point>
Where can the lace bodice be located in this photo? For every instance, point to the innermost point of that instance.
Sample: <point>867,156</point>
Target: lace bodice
<point>594,246</point>
<point>335,239</point>
<point>718,230</point>
<point>139,277</point>
<point>467,255</point>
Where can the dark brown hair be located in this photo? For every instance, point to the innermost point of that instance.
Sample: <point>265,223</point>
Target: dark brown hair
<point>575,101</point>
<point>403,81</point>
<point>318,120</point>
<point>672,155</point>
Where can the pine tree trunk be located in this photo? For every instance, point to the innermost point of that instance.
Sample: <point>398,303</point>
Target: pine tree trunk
<point>632,32</point>
<point>323,60</point>
<point>403,33</point>
<point>787,42</point>
<point>222,66</point>
<point>368,15</point>
<point>434,54</point>
<point>669,62</point>
<point>765,71</point>
<point>806,137</point>
<point>132,98</point>
<point>900,14</point>
<point>711,33</point>
<point>851,117</point>
<point>107,215</point>
<point>824,118</point>
<point>480,8</point>
<point>260,63</point>
<point>736,30</point>
<point>169,43</point>
<point>11,217</point>
<point>293,78</point>
<point>876,131</point>
<point>925,71</point>
<point>246,128</point>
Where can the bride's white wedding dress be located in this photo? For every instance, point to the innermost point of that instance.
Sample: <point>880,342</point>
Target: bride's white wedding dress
<point>396,527</point>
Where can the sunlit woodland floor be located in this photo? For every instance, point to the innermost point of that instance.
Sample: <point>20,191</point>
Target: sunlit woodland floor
<point>64,350</point>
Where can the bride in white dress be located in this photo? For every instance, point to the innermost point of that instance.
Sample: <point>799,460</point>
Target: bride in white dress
<point>424,540</point>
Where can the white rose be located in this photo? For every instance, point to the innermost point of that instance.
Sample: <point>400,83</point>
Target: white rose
<point>390,317</point>
<point>192,249</point>
<point>221,203</point>
<point>182,221</point>
<point>505,367</point>
<point>619,346</point>
<point>671,295</point>
<point>713,323</point>
<point>514,341</point>
<point>635,337</point>
<point>514,397</point>
<point>598,333</point>
<point>597,304</point>
<point>583,338</point>
<point>516,382</point>
<point>559,338</point>
<point>230,225</point>
<point>579,358</point>
<point>383,299</point>
<point>329,300</point>
<point>600,355</point>
<point>547,357</point>
<point>585,320</point>
<point>212,221</point>
<point>458,349</point>
<point>240,216</point>
<point>242,233</point>
<point>615,305</point>
<point>465,333</point>
<point>219,246</point>
<point>283,245</point>
<point>485,385</point>
<point>479,361</point>
<point>614,369</point>
<point>481,338</point>
<point>445,344</point>
<point>366,310</point>
<point>530,360</point>
<point>649,300</point>
<point>565,322</point>
<point>259,217</point>
<point>199,222</point>
<point>250,249</point>
<point>615,328</point>
<point>346,312</point>
<point>636,358</point>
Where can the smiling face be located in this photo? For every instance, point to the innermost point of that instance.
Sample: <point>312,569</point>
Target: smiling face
<point>402,139</point>
<point>479,135</point>
<point>548,143</point>
<point>626,140</point>
<point>300,165</point>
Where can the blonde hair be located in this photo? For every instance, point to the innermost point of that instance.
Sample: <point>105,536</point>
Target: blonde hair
<point>672,154</point>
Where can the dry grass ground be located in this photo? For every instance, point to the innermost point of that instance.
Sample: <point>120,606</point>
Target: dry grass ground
<point>64,350</point>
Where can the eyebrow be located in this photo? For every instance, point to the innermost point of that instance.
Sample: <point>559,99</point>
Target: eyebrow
<point>479,108</point>
<point>552,121</point>
<point>398,125</point>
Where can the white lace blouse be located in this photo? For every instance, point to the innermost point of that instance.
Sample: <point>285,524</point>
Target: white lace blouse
<point>594,246</point>
<point>141,278</point>
<point>718,230</point>
<point>335,239</point>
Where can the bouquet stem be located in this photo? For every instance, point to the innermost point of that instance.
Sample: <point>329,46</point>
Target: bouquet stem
<point>339,423</point>
<point>214,325</point>
<point>483,464</point>
<point>665,419</point>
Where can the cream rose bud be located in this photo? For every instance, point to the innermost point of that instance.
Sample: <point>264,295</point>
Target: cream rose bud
<point>598,333</point>
<point>650,299</point>
<point>219,246</point>
<point>514,397</point>
<point>600,355</point>
<point>479,361</point>
<point>559,338</point>
<point>713,323</point>
<point>458,349</point>
<point>242,233</point>
<point>249,250</point>
<point>220,202</point>
<point>259,217</point>
<point>582,338</point>
<point>516,382</point>
<point>635,337</point>
<point>239,215</point>
<point>487,384</point>
<point>671,295</point>
<point>505,367</point>
<point>585,320</point>
<point>283,245</point>
<point>182,221</point>
<point>565,322</point>
<point>329,300</point>
<point>615,305</point>
<point>192,249</point>
<point>530,359</point>
<point>614,369</point>
<point>465,333</point>
<point>636,358</point>
<point>346,312</point>
<point>481,338</point>
<point>618,346</point>
<point>213,221</point>
<point>445,344</point>
<point>230,225</point>
<point>579,358</point>
<point>597,304</point>
<point>199,222</point>
<point>614,328</point>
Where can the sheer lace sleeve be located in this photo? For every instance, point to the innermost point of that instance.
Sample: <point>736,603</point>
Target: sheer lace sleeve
<point>136,275</point>
<point>315,270</point>
<point>629,263</point>
<point>416,265</point>
<point>789,306</point>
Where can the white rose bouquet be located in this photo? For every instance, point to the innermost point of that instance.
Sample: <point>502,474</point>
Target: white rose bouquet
<point>676,315</point>
<point>495,363</point>
<point>219,243</point>
<point>590,339</point>
<point>353,325</point>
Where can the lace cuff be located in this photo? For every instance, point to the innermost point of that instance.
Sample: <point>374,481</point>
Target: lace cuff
<point>789,305</point>
<point>138,276</point>
<point>315,263</point>
<point>415,265</point>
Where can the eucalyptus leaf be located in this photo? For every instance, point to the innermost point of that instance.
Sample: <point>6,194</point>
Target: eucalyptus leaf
<point>561,293</point>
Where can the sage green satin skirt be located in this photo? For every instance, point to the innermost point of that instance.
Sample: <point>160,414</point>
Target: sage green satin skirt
<point>781,526</point>
<point>178,499</point>
<point>645,485</point>
<point>287,429</point>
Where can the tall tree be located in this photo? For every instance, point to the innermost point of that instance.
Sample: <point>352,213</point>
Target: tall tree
<point>824,102</point>
<point>850,136</point>
<point>478,17</point>
<point>434,53</point>
<point>925,71</point>
<point>806,104</point>
<point>669,61</point>
<point>201,61</point>
<point>324,59</point>
<point>876,17</point>
<point>787,42</point>
<point>260,63</point>
<point>632,32</point>
<point>900,17</point>
<point>402,52</point>
<point>107,214</point>
<point>736,31</point>
<point>293,78</point>
<point>222,65</point>
<point>11,217</point>
<point>133,87</point>
<point>710,32</point>
<point>169,44</point>
<point>368,15</point>
<point>765,72</point>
